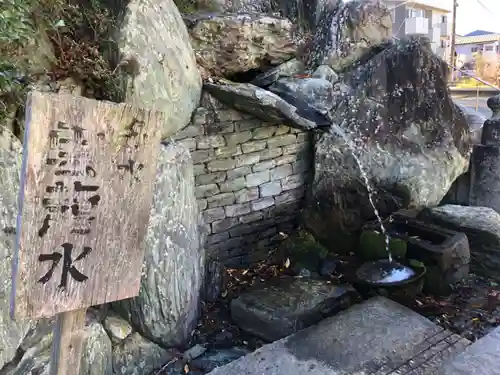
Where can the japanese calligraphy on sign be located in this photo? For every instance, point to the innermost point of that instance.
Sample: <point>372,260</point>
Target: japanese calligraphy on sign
<point>86,187</point>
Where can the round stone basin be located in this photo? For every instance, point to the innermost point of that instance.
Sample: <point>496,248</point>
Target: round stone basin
<point>399,277</point>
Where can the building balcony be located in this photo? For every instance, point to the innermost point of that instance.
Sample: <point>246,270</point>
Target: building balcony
<point>417,26</point>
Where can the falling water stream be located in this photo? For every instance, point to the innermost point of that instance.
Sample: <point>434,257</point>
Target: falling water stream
<point>382,272</point>
<point>388,271</point>
<point>336,130</point>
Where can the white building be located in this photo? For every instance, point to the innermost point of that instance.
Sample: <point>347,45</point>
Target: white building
<point>423,19</point>
<point>486,44</point>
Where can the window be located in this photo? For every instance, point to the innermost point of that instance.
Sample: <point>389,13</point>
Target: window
<point>443,43</point>
<point>444,19</point>
<point>473,49</point>
<point>488,48</point>
<point>412,13</point>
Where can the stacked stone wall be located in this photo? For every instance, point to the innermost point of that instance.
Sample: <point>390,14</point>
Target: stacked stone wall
<point>250,179</point>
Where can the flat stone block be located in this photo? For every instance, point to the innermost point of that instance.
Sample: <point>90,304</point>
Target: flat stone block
<point>203,191</point>
<point>233,185</point>
<point>239,172</point>
<point>281,140</point>
<point>270,153</point>
<point>202,156</point>
<point>221,200</point>
<point>247,195</point>
<point>276,310</point>
<point>237,209</point>
<point>376,337</point>
<point>226,152</point>
<point>294,148</point>
<point>281,172</point>
<point>210,141</point>
<point>247,159</point>
<point>256,179</point>
<point>269,189</point>
<point>292,182</point>
<point>263,133</point>
<point>221,165</point>
<point>262,203</point>
<point>213,214</point>
<point>224,224</point>
<point>210,178</point>
<point>480,358</point>
<point>238,138</point>
<point>264,165</point>
<point>249,124</point>
<point>282,129</point>
<point>253,146</point>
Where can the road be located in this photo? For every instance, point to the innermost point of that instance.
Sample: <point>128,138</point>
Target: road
<point>470,101</point>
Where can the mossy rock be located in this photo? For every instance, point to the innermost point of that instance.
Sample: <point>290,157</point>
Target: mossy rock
<point>372,246</point>
<point>304,251</point>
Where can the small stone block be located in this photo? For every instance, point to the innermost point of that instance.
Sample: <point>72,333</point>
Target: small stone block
<point>221,165</point>
<point>276,310</point>
<point>256,179</point>
<point>270,189</point>
<point>247,195</point>
<point>237,209</point>
<point>224,225</point>
<point>233,185</point>
<point>213,214</point>
<point>262,203</point>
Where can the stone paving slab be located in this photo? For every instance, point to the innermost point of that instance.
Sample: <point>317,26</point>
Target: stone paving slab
<point>376,337</point>
<point>480,358</point>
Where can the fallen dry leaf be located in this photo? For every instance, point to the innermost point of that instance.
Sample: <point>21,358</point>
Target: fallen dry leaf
<point>287,262</point>
<point>186,368</point>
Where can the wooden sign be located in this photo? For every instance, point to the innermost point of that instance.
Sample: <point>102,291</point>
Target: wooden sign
<point>86,187</point>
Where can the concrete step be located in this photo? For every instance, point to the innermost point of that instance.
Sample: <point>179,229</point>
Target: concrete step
<point>480,358</point>
<point>376,337</point>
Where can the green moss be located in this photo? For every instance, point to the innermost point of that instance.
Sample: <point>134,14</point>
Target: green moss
<point>303,250</point>
<point>192,6</point>
<point>372,246</point>
<point>51,40</point>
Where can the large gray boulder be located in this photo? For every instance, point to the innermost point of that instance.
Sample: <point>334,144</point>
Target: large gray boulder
<point>11,333</point>
<point>398,128</point>
<point>346,31</point>
<point>166,310</point>
<point>302,13</point>
<point>226,44</point>
<point>159,61</point>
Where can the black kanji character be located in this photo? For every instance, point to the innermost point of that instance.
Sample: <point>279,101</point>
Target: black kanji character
<point>45,226</point>
<point>80,187</point>
<point>67,267</point>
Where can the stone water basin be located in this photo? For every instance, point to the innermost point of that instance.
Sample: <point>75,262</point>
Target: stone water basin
<point>444,252</point>
<point>399,278</point>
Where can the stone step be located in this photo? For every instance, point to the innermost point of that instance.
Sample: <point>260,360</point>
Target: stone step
<point>480,358</point>
<point>376,337</point>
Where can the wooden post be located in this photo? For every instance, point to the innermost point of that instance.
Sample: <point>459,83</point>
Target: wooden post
<point>86,187</point>
<point>67,342</point>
